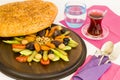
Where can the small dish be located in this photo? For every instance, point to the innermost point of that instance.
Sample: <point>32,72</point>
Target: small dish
<point>89,36</point>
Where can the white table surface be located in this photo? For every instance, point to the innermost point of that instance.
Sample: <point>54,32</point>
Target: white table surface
<point>114,5</point>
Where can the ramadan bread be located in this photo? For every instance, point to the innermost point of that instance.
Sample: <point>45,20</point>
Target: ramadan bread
<point>26,17</point>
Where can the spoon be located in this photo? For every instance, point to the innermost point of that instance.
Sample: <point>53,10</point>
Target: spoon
<point>115,53</point>
<point>106,50</point>
<point>104,12</point>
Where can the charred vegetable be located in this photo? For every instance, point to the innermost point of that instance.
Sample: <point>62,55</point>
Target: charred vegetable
<point>44,46</point>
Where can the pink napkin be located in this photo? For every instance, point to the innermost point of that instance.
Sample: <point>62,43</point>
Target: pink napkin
<point>111,74</point>
<point>111,20</point>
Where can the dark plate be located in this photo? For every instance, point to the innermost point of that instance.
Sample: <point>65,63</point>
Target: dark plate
<point>56,70</point>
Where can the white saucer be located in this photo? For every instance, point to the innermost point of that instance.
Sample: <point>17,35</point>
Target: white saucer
<point>89,36</point>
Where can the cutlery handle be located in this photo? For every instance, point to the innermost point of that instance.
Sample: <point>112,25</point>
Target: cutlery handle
<point>100,60</point>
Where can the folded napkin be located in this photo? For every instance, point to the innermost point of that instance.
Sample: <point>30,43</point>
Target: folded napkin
<point>111,21</point>
<point>91,71</point>
<point>110,74</point>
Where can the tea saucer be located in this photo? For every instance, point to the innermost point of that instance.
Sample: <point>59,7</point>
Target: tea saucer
<point>89,36</point>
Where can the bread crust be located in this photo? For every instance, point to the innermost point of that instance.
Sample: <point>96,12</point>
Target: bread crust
<point>27,17</point>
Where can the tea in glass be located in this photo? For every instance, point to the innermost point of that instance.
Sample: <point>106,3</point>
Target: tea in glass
<point>95,27</point>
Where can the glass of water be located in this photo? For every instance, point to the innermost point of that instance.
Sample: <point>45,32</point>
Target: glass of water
<point>75,13</point>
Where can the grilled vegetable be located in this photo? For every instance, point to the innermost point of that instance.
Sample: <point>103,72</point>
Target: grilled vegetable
<point>31,57</point>
<point>44,46</point>
<point>45,62</point>
<point>56,58</point>
<point>26,52</point>
<point>63,57</point>
<point>67,48</point>
<point>22,58</point>
<point>72,43</point>
<point>45,55</point>
<point>16,49</point>
<point>19,46</point>
<point>11,41</point>
<point>61,51</point>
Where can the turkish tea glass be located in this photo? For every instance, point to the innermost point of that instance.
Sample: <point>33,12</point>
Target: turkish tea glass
<point>96,17</point>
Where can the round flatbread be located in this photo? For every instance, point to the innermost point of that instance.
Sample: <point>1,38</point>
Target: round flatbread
<point>26,17</point>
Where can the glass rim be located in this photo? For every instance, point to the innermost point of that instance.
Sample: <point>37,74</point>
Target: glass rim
<point>96,10</point>
<point>77,4</point>
<point>66,6</point>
